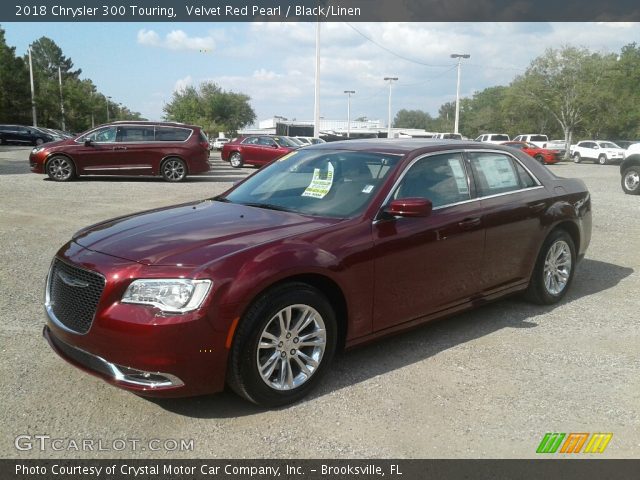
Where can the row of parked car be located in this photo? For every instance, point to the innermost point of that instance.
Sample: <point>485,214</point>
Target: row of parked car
<point>27,135</point>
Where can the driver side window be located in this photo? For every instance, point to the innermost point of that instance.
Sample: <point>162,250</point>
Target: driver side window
<point>439,178</point>
<point>103,135</point>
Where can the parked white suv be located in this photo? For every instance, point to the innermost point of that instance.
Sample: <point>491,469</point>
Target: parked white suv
<point>537,139</point>
<point>597,151</point>
<point>493,138</point>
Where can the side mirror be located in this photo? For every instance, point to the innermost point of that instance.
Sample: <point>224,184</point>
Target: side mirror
<point>410,207</point>
<point>87,141</point>
<point>597,147</point>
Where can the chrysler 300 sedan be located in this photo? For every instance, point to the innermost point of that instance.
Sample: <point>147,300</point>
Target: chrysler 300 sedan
<point>328,247</point>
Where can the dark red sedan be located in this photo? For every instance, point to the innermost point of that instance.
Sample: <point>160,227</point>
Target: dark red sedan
<point>542,155</point>
<point>256,150</point>
<point>331,247</point>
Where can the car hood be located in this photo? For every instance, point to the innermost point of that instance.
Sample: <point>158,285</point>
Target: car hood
<point>193,234</point>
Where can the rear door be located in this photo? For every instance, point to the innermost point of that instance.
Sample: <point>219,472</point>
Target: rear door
<point>135,149</point>
<point>513,202</point>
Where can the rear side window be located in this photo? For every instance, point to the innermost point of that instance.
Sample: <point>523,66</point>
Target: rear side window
<point>172,134</point>
<point>496,173</point>
<point>135,133</point>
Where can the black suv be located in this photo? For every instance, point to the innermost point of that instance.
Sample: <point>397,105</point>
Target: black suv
<point>23,135</point>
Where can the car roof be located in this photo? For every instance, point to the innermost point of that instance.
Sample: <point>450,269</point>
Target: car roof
<point>149,123</point>
<point>400,146</point>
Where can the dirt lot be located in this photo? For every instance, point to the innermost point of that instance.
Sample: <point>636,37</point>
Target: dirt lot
<point>486,384</point>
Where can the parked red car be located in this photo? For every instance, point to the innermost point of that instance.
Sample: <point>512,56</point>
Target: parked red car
<point>256,150</point>
<point>334,246</point>
<point>542,155</point>
<point>169,150</point>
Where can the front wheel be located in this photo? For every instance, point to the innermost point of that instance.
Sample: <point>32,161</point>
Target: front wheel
<point>60,168</point>
<point>554,269</point>
<point>631,180</point>
<point>174,170</point>
<point>602,159</point>
<point>236,160</point>
<point>283,345</point>
<point>576,158</point>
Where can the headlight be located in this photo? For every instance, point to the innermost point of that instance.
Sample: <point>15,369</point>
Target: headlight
<point>37,150</point>
<point>176,295</point>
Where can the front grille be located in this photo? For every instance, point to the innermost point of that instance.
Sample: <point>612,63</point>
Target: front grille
<point>73,295</point>
<point>80,356</point>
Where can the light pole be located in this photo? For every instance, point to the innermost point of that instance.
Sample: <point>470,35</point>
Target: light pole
<point>349,93</point>
<point>61,98</point>
<point>33,95</point>
<point>459,56</point>
<point>390,80</point>
<point>108,98</point>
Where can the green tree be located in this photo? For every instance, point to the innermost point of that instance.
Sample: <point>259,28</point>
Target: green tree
<point>567,83</point>
<point>15,96</point>
<point>211,107</point>
<point>411,119</point>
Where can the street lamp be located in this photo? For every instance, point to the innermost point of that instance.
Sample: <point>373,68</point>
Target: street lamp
<point>459,56</point>
<point>390,80</point>
<point>33,95</point>
<point>349,93</point>
<point>108,98</point>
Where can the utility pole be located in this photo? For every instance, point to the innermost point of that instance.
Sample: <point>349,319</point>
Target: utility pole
<point>316,104</point>
<point>349,93</point>
<point>459,56</point>
<point>33,94</point>
<point>107,99</point>
<point>390,80</point>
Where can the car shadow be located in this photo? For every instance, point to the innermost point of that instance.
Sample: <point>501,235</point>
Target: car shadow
<point>398,351</point>
<point>199,178</point>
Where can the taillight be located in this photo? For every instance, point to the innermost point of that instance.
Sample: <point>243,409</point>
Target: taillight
<point>204,145</point>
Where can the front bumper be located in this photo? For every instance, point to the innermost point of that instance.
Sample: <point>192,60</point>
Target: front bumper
<point>136,347</point>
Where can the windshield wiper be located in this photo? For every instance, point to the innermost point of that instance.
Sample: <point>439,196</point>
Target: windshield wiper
<point>220,198</point>
<point>267,206</point>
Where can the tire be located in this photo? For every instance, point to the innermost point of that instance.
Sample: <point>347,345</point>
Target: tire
<point>540,159</point>
<point>555,266</point>
<point>60,168</point>
<point>631,180</point>
<point>576,158</point>
<point>289,372</point>
<point>173,170</point>
<point>602,159</point>
<point>236,160</point>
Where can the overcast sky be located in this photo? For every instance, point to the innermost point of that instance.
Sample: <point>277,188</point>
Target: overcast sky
<point>142,64</point>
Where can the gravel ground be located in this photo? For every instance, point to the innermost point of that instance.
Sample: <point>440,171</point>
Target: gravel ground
<point>485,384</point>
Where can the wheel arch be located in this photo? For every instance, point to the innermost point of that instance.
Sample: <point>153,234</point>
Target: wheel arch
<point>631,161</point>
<point>60,154</point>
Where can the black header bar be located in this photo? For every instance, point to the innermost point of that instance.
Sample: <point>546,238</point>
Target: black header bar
<point>318,10</point>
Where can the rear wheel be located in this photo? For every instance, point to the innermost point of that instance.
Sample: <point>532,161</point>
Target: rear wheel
<point>60,168</point>
<point>576,158</point>
<point>236,160</point>
<point>283,345</point>
<point>631,180</point>
<point>174,170</point>
<point>540,159</point>
<point>602,159</point>
<point>554,269</point>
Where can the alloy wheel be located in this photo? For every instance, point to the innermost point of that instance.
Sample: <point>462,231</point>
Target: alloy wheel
<point>557,267</point>
<point>291,347</point>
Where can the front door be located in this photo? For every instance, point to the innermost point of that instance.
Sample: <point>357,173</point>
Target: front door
<point>426,265</point>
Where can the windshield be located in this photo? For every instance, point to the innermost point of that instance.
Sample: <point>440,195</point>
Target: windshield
<point>332,183</point>
<point>285,142</point>
<point>608,145</point>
